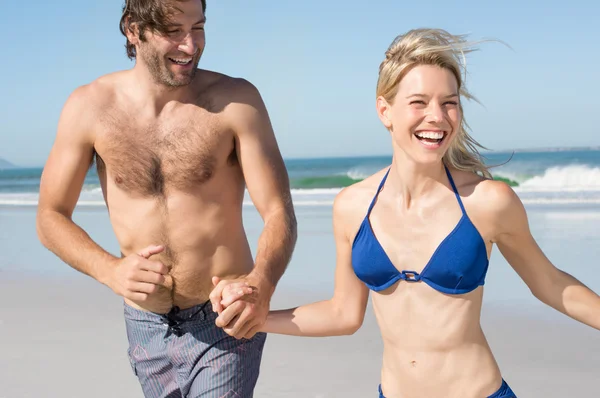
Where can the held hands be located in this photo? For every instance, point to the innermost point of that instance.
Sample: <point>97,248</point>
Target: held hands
<point>135,277</point>
<point>242,305</point>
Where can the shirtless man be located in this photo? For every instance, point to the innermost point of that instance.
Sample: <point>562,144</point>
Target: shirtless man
<point>175,148</point>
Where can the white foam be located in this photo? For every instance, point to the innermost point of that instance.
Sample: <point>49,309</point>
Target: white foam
<point>572,178</point>
<point>317,191</point>
<point>309,203</point>
<point>561,201</point>
<point>359,173</point>
<point>573,184</point>
<point>304,203</point>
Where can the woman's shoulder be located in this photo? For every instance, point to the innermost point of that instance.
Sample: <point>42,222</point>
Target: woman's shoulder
<point>352,203</point>
<point>494,198</point>
<point>469,183</point>
<point>360,193</point>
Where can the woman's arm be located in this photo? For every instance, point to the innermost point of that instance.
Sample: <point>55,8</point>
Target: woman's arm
<point>343,314</point>
<point>549,284</point>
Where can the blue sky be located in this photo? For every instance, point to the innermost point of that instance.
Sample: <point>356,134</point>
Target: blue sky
<point>315,63</point>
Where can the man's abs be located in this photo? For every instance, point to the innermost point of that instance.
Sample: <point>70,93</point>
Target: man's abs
<point>202,234</point>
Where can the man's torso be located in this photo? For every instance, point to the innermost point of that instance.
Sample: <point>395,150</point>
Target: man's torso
<point>172,178</point>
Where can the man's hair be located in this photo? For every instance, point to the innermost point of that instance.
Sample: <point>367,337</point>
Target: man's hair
<point>153,15</point>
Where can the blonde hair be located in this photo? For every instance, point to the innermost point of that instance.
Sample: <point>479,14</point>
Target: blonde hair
<point>440,48</point>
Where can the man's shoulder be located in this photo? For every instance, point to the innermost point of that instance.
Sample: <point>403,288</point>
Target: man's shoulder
<point>212,80</point>
<point>225,90</point>
<point>96,94</point>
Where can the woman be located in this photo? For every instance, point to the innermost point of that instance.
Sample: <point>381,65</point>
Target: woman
<point>419,235</point>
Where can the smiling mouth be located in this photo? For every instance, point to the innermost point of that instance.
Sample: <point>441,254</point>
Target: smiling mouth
<point>430,137</point>
<point>181,61</point>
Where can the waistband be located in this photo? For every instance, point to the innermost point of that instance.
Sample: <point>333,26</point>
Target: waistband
<point>196,312</point>
<point>174,320</point>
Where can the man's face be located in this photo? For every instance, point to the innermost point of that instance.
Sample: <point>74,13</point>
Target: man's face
<point>172,58</point>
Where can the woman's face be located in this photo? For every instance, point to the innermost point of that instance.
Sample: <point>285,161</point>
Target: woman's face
<point>425,115</point>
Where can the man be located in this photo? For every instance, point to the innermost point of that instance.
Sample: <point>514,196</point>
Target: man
<point>175,147</point>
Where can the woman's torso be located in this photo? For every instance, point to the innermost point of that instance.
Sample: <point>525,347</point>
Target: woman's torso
<point>429,320</point>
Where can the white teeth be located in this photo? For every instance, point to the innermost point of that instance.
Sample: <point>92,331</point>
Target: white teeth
<point>434,135</point>
<point>432,144</point>
<point>181,61</point>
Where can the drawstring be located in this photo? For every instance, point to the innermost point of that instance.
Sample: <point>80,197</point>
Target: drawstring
<point>174,321</point>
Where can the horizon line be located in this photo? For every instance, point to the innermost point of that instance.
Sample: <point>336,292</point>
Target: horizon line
<point>505,150</point>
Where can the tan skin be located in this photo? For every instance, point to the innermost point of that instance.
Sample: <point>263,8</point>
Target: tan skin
<point>174,157</point>
<point>433,342</point>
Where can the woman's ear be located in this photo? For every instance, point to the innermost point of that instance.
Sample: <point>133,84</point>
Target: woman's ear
<point>383,111</point>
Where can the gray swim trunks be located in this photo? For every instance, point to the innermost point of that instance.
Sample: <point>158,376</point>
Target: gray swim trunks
<point>183,354</point>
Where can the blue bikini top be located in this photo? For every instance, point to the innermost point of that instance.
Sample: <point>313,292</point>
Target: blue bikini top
<point>458,265</point>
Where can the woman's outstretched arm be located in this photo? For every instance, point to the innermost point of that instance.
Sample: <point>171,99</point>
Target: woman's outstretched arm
<point>549,284</point>
<point>343,314</point>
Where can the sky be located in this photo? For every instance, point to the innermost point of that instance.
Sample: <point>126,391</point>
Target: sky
<point>315,63</point>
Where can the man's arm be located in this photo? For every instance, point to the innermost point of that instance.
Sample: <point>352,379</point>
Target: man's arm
<point>268,185</point>
<point>60,187</point>
<point>344,313</point>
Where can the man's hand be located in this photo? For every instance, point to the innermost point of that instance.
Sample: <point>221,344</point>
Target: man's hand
<point>242,305</point>
<point>135,277</point>
<point>226,292</point>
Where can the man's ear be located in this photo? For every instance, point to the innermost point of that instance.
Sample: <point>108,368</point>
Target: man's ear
<point>132,31</point>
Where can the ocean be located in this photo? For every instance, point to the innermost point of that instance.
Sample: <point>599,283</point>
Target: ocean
<point>557,176</point>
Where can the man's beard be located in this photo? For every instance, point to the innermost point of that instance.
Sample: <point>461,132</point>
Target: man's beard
<point>157,65</point>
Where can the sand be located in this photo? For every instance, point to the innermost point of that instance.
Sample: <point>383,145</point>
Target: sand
<point>65,337</point>
<point>62,334</point>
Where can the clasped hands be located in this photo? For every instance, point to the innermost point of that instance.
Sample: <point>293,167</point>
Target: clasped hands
<point>242,304</point>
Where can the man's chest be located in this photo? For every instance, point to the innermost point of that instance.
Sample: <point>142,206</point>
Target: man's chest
<point>149,156</point>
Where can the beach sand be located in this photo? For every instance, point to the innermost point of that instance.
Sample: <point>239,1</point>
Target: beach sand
<point>63,334</point>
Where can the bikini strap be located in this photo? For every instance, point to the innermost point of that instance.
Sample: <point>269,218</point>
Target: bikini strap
<point>460,203</point>
<point>377,193</point>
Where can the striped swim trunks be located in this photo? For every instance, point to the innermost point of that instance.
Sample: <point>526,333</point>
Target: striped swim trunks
<point>183,354</point>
